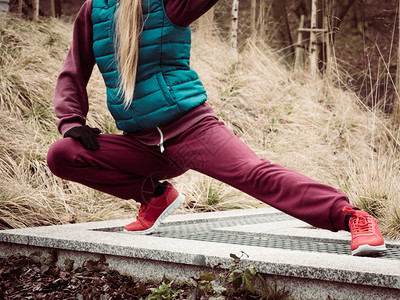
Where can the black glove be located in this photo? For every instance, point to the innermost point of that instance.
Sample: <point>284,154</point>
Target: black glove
<point>86,136</point>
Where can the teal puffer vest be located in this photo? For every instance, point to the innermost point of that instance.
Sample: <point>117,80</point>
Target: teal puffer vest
<point>166,87</point>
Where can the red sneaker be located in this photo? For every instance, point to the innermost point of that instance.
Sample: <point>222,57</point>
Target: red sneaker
<point>366,237</point>
<point>157,209</point>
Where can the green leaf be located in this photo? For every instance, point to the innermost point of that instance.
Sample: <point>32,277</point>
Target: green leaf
<point>207,277</point>
<point>234,256</point>
<point>237,282</point>
<point>234,274</point>
<point>252,270</point>
<point>262,280</point>
<point>204,286</point>
<point>248,282</point>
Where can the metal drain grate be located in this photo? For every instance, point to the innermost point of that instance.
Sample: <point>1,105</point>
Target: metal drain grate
<point>206,231</point>
<point>271,241</point>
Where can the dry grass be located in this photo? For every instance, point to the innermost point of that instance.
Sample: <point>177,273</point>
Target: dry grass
<point>305,124</point>
<point>31,57</point>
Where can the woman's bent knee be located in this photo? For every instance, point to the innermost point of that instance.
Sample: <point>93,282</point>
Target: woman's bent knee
<point>60,156</point>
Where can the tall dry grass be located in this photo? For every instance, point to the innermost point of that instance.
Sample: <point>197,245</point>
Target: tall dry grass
<point>305,124</point>
<point>31,57</point>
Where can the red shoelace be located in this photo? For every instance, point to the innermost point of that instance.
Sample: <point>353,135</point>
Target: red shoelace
<point>361,224</point>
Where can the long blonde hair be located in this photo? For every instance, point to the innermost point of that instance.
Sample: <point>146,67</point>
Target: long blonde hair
<point>129,18</point>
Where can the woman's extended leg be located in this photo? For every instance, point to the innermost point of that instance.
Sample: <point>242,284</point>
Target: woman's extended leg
<point>218,153</point>
<point>209,147</point>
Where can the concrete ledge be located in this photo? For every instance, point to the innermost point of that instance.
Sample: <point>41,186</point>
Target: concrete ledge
<point>306,274</point>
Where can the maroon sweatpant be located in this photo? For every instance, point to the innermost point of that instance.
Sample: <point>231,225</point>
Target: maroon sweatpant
<point>128,169</point>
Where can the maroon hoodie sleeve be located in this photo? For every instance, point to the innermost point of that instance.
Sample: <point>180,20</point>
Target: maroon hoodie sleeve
<point>185,12</point>
<point>70,96</point>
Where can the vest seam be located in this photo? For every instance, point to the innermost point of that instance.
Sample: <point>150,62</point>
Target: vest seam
<point>137,99</point>
<point>105,55</point>
<point>101,21</point>
<point>149,45</point>
<point>107,72</point>
<point>161,58</point>
<point>165,17</point>
<point>183,82</point>
<point>153,111</point>
<point>101,38</point>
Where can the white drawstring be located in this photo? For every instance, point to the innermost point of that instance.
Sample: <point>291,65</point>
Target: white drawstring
<point>161,144</point>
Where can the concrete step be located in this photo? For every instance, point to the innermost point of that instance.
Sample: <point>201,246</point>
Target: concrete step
<point>311,263</point>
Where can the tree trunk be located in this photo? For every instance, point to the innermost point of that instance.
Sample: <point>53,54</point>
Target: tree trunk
<point>35,4</point>
<point>335,9</point>
<point>298,62</point>
<point>253,16</point>
<point>53,8</point>
<point>313,39</point>
<point>58,8</point>
<point>284,36</point>
<point>261,22</point>
<point>396,100</point>
<point>20,2</point>
<point>234,30</point>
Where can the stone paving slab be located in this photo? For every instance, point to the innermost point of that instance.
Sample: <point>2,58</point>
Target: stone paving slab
<point>311,263</point>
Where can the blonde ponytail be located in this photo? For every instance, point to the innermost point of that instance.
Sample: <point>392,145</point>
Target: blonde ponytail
<point>128,28</point>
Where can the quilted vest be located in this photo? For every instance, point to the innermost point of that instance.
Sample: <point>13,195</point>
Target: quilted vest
<point>166,87</point>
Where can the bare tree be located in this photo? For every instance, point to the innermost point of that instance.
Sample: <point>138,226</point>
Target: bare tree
<point>35,4</point>
<point>323,18</point>
<point>253,10</point>
<point>20,2</point>
<point>313,39</point>
<point>335,10</point>
<point>234,29</point>
<point>53,8</point>
<point>282,30</point>
<point>396,100</point>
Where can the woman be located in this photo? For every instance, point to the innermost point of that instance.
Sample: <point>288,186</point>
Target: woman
<point>142,49</point>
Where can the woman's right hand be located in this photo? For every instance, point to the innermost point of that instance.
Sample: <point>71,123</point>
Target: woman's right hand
<point>86,135</point>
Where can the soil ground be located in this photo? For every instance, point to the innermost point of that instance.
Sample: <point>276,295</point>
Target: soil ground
<point>31,277</point>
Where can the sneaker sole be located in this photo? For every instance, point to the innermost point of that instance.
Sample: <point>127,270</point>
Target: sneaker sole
<point>169,210</point>
<point>368,250</point>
